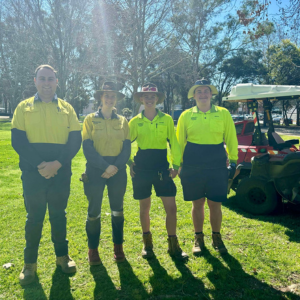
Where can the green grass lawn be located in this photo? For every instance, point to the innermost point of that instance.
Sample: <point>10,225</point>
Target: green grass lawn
<point>263,257</point>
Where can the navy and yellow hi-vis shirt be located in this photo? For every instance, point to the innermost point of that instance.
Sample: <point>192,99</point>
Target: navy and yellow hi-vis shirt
<point>152,138</point>
<point>106,141</point>
<point>45,132</point>
<point>201,137</point>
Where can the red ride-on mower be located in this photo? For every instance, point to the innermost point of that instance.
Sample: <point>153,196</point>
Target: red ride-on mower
<point>268,167</point>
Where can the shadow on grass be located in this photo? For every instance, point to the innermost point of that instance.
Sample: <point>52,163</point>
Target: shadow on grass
<point>60,288</point>
<point>104,289</point>
<point>235,283</point>
<point>131,286</point>
<point>286,216</point>
<point>34,291</point>
<point>164,286</point>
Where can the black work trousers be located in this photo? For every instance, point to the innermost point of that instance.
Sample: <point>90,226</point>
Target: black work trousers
<point>39,193</point>
<point>94,188</point>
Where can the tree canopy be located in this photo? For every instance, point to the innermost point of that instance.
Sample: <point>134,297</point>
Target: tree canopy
<point>169,43</point>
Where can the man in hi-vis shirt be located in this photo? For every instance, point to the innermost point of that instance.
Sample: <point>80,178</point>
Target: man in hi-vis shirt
<point>46,134</point>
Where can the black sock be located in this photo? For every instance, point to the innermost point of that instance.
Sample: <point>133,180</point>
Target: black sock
<point>146,232</point>
<point>215,232</point>
<point>199,232</point>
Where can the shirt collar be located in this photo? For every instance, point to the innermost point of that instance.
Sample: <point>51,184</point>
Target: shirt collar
<point>212,109</point>
<point>37,98</point>
<point>99,114</point>
<point>159,114</point>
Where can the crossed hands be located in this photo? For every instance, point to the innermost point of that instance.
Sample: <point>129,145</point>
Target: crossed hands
<point>110,171</point>
<point>49,169</point>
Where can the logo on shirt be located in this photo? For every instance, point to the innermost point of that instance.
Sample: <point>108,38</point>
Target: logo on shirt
<point>216,116</point>
<point>29,104</point>
<point>140,124</point>
<point>193,118</point>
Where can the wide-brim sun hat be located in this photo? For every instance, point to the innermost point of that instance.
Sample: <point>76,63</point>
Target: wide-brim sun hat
<point>149,88</point>
<point>108,86</point>
<point>201,82</point>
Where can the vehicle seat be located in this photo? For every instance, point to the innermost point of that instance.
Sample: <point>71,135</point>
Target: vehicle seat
<point>278,143</point>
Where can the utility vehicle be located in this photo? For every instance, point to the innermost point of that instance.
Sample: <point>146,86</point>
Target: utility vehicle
<point>268,170</point>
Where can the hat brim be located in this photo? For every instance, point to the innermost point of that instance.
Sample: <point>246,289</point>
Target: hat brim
<point>214,91</point>
<point>160,95</point>
<point>98,94</point>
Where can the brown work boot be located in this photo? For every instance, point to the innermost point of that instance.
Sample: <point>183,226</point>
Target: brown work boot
<point>119,255</point>
<point>67,264</point>
<point>147,251</point>
<point>175,250</point>
<point>199,246</point>
<point>27,274</point>
<point>218,243</point>
<point>94,258</point>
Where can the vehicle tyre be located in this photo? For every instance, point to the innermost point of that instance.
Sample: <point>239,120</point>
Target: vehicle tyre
<point>257,196</point>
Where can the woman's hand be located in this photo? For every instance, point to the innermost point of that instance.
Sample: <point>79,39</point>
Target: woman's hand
<point>110,171</point>
<point>179,170</point>
<point>132,173</point>
<point>173,173</point>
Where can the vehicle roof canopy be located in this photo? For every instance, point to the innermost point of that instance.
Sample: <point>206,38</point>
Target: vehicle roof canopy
<point>248,91</point>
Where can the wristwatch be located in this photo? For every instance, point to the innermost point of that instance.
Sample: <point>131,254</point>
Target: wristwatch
<point>233,165</point>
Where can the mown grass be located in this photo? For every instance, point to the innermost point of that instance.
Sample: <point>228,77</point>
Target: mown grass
<point>263,254</point>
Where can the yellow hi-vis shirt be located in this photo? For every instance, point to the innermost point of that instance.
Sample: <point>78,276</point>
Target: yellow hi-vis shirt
<point>107,134</point>
<point>48,123</point>
<point>45,132</point>
<point>204,134</point>
<point>154,135</point>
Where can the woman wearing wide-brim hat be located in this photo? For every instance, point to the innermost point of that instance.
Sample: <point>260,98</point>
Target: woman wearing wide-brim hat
<point>152,130</point>
<point>106,146</point>
<point>201,132</point>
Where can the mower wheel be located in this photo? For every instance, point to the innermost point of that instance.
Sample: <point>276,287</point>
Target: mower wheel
<point>257,197</point>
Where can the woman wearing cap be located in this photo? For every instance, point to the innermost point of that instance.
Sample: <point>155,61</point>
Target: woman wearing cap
<point>106,146</point>
<point>201,133</point>
<point>152,129</point>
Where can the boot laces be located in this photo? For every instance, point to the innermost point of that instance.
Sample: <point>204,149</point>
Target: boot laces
<point>66,258</point>
<point>199,241</point>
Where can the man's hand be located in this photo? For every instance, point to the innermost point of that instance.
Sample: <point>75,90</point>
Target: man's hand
<point>110,171</point>
<point>49,169</point>
<point>132,173</point>
<point>231,170</point>
<point>173,173</point>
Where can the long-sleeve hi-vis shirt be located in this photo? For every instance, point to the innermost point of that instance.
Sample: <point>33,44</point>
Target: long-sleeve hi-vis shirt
<point>106,141</point>
<point>45,132</point>
<point>152,138</point>
<point>201,137</point>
